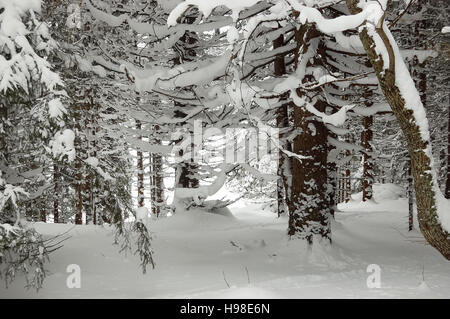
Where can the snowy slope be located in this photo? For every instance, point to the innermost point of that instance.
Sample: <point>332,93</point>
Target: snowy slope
<point>196,259</point>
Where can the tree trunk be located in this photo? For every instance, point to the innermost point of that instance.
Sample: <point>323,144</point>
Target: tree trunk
<point>347,182</point>
<point>56,181</point>
<point>87,187</point>
<point>309,211</point>
<point>282,124</point>
<point>447,184</point>
<point>425,181</point>
<point>410,198</point>
<point>367,177</point>
<point>78,167</point>
<point>140,168</point>
<point>157,177</point>
<point>333,187</point>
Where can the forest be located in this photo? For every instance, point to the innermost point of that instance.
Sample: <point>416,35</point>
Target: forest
<point>224,148</point>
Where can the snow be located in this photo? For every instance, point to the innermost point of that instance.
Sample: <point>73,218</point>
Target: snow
<point>207,6</point>
<point>445,29</point>
<point>193,254</point>
<point>421,55</point>
<point>93,161</point>
<point>336,119</point>
<point>63,144</point>
<point>142,214</point>
<point>382,192</point>
<point>55,108</point>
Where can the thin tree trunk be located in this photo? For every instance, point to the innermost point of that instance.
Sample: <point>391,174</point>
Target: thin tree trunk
<point>410,198</point>
<point>282,124</point>
<point>87,188</point>
<point>140,168</point>
<point>447,184</point>
<point>333,187</point>
<point>347,182</point>
<point>425,181</point>
<point>43,211</point>
<point>367,176</point>
<point>78,168</point>
<point>56,181</point>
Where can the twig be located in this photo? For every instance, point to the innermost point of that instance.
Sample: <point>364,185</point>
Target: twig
<point>225,279</point>
<point>248,276</point>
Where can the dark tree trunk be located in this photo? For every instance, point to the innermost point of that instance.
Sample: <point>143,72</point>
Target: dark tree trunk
<point>186,45</point>
<point>284,162</point>
<point>367,176</point>
<point>347,181</point>
<point>43,211</point>
<point>333,187</point>
<point>309,211</point>
<point>447,184</point>
<point>87,188</point>
<point>410,198</point>
<point>56,189</point>
<point>140,168</point>
<point>78,167</point>
<point>308,206</point>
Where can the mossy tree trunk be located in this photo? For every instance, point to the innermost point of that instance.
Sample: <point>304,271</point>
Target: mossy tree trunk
<point>424,181</point>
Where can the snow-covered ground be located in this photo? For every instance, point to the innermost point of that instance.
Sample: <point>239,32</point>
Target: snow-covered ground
<point>200,254</point>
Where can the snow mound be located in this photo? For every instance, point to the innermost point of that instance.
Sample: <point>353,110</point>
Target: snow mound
<point>198,219</point>
<point>382,192</point>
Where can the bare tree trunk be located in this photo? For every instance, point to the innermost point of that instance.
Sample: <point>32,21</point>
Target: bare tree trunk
<point>447,184</point>
<point>140,168</point>
<point>425,183</point>
<point>367,176</point>
<point>158,183</point>
<point>410,198</point>
<point>309,205</point>
<point>347,182</point>
<point>87,188</point>
<point>56,194</point>
<point>157,177</point>
<point>43,212</point>
<point>282,124</point>
<point>78,168</point>
<point>333,187</point>
<point>95,186</point>
<point>309,212</point>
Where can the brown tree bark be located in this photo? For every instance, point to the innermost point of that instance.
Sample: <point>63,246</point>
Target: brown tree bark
<point>424,182</point>
<point>309,211</point>
<point>308,205</point>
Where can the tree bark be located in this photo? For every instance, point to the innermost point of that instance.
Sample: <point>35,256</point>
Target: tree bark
<point>78,167</point>
<point>425,183</point>
<point>284,162</point>
<point>140,168</point>
<point>56,181</point>
<point>367,176</point>
<point>410,198</point>
<point>309,211</point>
<point>447,184</point>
